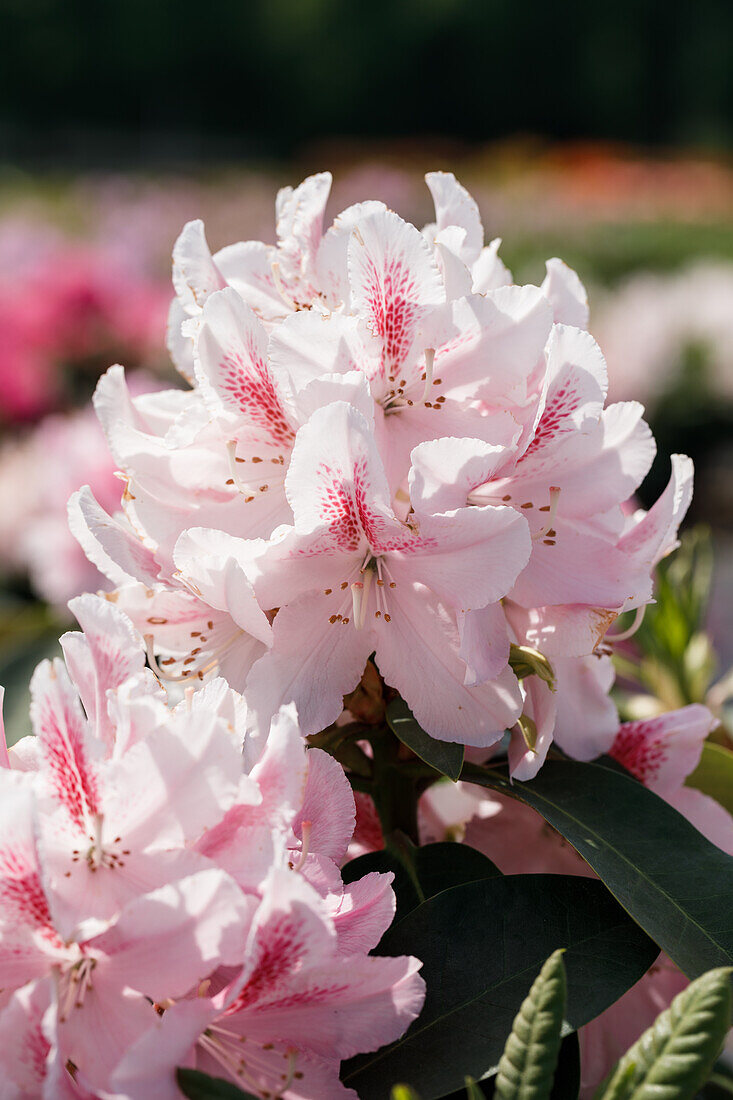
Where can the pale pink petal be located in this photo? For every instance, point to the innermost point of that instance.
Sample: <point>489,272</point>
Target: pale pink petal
<point>663,751</point>
<point>333,274</point>
<point>328,808</point>
<point>540,706</point>
<point>566,294</point>
<point>469,557</point>
<point>563,630</point>
<point>575,387</point>
<point>247,267</point>
<point>214,563</point>
<point>364,913</point>
<point>484,643</point>
<point>445,471</point>
<point>110,545</point>
<point>449,247</point>
<point>455,206</point>
<point>93,1037</point>
<point>109,652</point>
<point>336,480</point>
<point>309,344</point>
<point>432,681</point>
<point>60,726</point>
<point>587,719</point>
<point>167,942</point>
<point>195,275</point>
<point>571,567</point>
<point>299,226</point>
<point>655,534</point>
<point>498,343</point>
<point>489,271</point>
<point>313,662</point>
<point>25,1048</point>
<point>192,771</point>
<point>395,287</point>
<point>232,360</point>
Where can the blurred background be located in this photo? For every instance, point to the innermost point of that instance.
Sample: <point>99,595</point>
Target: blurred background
<point>599,133</point>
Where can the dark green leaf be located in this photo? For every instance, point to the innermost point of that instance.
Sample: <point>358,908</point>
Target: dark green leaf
<point>420,873</point>
<point>199,1086</point>
<point>674,1057</point>
<point>674,882</point>
<point>445,756</point>
<point>527,1066</point>
<point>481,945</point>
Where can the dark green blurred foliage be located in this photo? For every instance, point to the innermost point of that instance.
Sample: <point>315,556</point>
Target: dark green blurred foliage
<point>265,76</point>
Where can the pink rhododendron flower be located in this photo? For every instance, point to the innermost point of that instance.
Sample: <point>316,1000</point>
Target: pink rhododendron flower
<point>309,440</point>
<point>160,867</point>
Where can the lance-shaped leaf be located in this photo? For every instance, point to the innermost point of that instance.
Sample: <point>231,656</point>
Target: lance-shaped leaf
<point>674,883</point>
<point>445,756</point>
<point>527,1066</point>
<point>482,944</point>
<point>674,1057</point>
<point>199,1086</point>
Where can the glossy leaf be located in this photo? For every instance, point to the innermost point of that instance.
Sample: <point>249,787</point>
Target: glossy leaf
<point>445,756</point>
<point>199,1086</point>
<point>714,774</point>
<point>674,1057</point>
<point>420,873</point>
<point>482,944</point>
<point>527,1067</point>
<point>674,883</point>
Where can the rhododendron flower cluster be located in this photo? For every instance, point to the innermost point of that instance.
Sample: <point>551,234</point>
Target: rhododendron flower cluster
<point>170,892</point>
<point>380,541</point>
<point>387,447</point>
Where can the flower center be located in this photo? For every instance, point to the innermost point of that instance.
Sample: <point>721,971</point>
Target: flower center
<point>401,393</point>
<point>373,572</point>
<point>99,854</point>
<point>74,983</point>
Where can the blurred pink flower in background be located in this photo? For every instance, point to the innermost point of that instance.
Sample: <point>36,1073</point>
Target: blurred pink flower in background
<point>66,310</point>
<point>648,325</point>
<point>38,474</point>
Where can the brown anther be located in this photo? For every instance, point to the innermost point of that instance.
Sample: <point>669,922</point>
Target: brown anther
<point>529,504</point>
<point>327,591</point>
<point>387,618</point>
